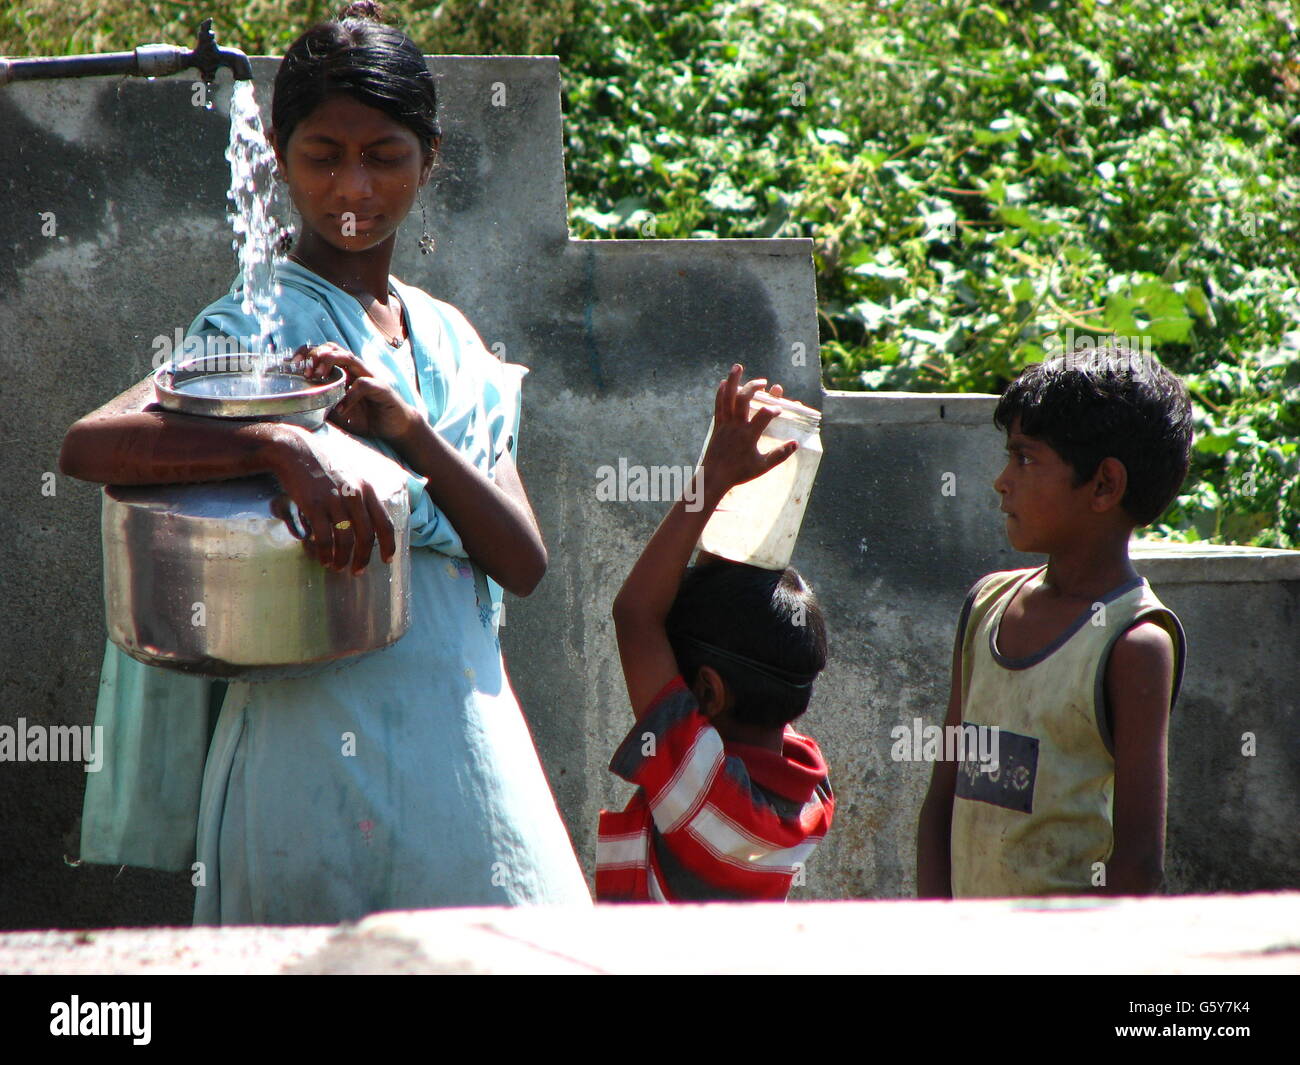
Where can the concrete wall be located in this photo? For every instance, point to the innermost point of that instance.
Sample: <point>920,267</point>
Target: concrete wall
<point>626,341</point>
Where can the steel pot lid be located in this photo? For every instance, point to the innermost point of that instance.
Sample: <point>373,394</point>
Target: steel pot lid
<point>228,386</point>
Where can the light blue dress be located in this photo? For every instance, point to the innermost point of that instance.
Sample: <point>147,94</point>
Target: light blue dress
<point>405,779</point>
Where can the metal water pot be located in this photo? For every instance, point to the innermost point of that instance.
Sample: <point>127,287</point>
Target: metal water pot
<point>205,579</point>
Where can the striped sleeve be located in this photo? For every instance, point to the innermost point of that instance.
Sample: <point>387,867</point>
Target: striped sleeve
<point>699,826</point>
<point>673,754</point>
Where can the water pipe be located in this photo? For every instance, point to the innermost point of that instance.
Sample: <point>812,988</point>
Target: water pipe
<point>147,61</point>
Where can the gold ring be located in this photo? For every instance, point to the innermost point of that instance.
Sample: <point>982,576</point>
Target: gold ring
<point>343,526</point>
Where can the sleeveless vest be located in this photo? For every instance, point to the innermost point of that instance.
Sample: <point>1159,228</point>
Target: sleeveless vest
<point>1037,823</point>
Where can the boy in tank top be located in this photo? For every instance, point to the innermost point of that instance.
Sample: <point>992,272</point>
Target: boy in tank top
<point>1076,663</point>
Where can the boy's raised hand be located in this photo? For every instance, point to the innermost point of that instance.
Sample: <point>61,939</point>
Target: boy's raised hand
<point>733,456</point>
<point>642,606</point>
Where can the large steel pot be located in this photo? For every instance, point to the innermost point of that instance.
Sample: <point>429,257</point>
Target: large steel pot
<point>205,579</point>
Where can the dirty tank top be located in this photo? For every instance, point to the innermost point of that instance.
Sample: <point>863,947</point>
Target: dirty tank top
<point>1037,824</point>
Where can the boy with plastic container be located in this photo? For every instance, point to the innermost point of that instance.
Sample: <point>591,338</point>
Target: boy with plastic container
<point>1076,663</point>
<point>731,801</point>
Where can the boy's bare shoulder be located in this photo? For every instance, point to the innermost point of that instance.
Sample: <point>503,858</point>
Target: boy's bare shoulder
<point>1144,647</point>
<point>1141,686</point>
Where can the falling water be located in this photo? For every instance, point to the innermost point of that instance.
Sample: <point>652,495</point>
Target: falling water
<point>252,177</point>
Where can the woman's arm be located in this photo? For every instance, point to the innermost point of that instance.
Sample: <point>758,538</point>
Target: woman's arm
<point>126,442</point>
<point>494,521</point>
<point>130,441</point>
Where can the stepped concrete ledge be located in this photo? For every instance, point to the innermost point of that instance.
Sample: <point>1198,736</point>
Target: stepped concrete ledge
<point>1160,561</point>
<point>1167,562</point>
<point>1221,934</point>
<point>891,408</point>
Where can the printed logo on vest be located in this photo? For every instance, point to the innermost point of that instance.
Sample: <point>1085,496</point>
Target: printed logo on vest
<point>1011,785</point>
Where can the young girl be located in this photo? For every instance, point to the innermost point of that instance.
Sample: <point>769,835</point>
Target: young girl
<point>407,778</point>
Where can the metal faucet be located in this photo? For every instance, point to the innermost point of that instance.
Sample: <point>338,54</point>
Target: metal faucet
<point>147,61</point>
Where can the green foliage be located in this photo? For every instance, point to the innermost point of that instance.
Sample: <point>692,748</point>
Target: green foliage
<point>977,178</point>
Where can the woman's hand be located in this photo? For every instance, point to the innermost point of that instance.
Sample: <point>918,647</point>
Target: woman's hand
<point>369,407</point>
<point>733,456</point>
<point>343,516</point>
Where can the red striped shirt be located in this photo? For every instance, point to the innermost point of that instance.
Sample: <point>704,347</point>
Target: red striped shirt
<point>710,820</point>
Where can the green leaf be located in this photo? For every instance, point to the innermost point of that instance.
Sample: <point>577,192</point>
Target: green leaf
<point>1119,315</point>
<point>871,314</point>
<point>1022,219</point>
<point>884,272</point>
<point>831,136</point>
<point>1165,309</point>
<point>777,216</point>
<point>1198,304</point>
<point>1016,216</point>
<point>872,158</point>
<point>1216,443</point>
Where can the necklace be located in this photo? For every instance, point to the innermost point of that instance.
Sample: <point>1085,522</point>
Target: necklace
<point>393,341</point>
<point>396,341</point>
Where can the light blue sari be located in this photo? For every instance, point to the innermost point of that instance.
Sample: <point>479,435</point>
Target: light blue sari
<point>405,779</point>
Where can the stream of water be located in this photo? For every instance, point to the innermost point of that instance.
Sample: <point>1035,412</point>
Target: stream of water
<point>252,179</point>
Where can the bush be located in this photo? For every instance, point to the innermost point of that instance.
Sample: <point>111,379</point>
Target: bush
<point>984,185</point>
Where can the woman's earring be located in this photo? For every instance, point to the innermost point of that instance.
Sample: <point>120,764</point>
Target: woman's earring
<point>427,243</point>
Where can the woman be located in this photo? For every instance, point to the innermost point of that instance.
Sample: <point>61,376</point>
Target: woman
<point>408,778</point>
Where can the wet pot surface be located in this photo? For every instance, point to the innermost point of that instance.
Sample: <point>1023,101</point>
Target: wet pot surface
<point>204,578</point>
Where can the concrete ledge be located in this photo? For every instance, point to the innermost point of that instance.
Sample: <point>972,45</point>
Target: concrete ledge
<point>1162,562</point>
<point>1223,934</point>
<point>800,247</point>
<point>889,408</point>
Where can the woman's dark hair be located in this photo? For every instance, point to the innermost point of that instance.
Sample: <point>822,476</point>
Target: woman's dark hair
<point>1108,403</point>
<point>770,619</point>
<point>357,56</point>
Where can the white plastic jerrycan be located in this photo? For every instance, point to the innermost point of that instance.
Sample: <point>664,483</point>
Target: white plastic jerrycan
<point>758,522</point>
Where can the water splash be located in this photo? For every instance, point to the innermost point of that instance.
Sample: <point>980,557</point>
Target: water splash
<point>252,178</point>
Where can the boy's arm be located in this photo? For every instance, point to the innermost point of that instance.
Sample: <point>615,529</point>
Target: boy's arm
<point>1139,685</point>
<point>643,603</point>
<point>934,830</point>
<point>642,606</point>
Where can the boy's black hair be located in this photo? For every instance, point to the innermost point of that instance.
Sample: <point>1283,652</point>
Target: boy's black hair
<point>762,630</point>
<point>361,57</point>
<point>1108,403</point>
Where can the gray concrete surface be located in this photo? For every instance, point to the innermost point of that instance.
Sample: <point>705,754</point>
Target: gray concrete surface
<point>1237,935</point>
<point>626,341</point>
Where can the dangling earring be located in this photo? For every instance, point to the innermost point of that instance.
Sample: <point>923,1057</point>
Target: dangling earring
<point>427,243</point>
<point>284,242</point>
